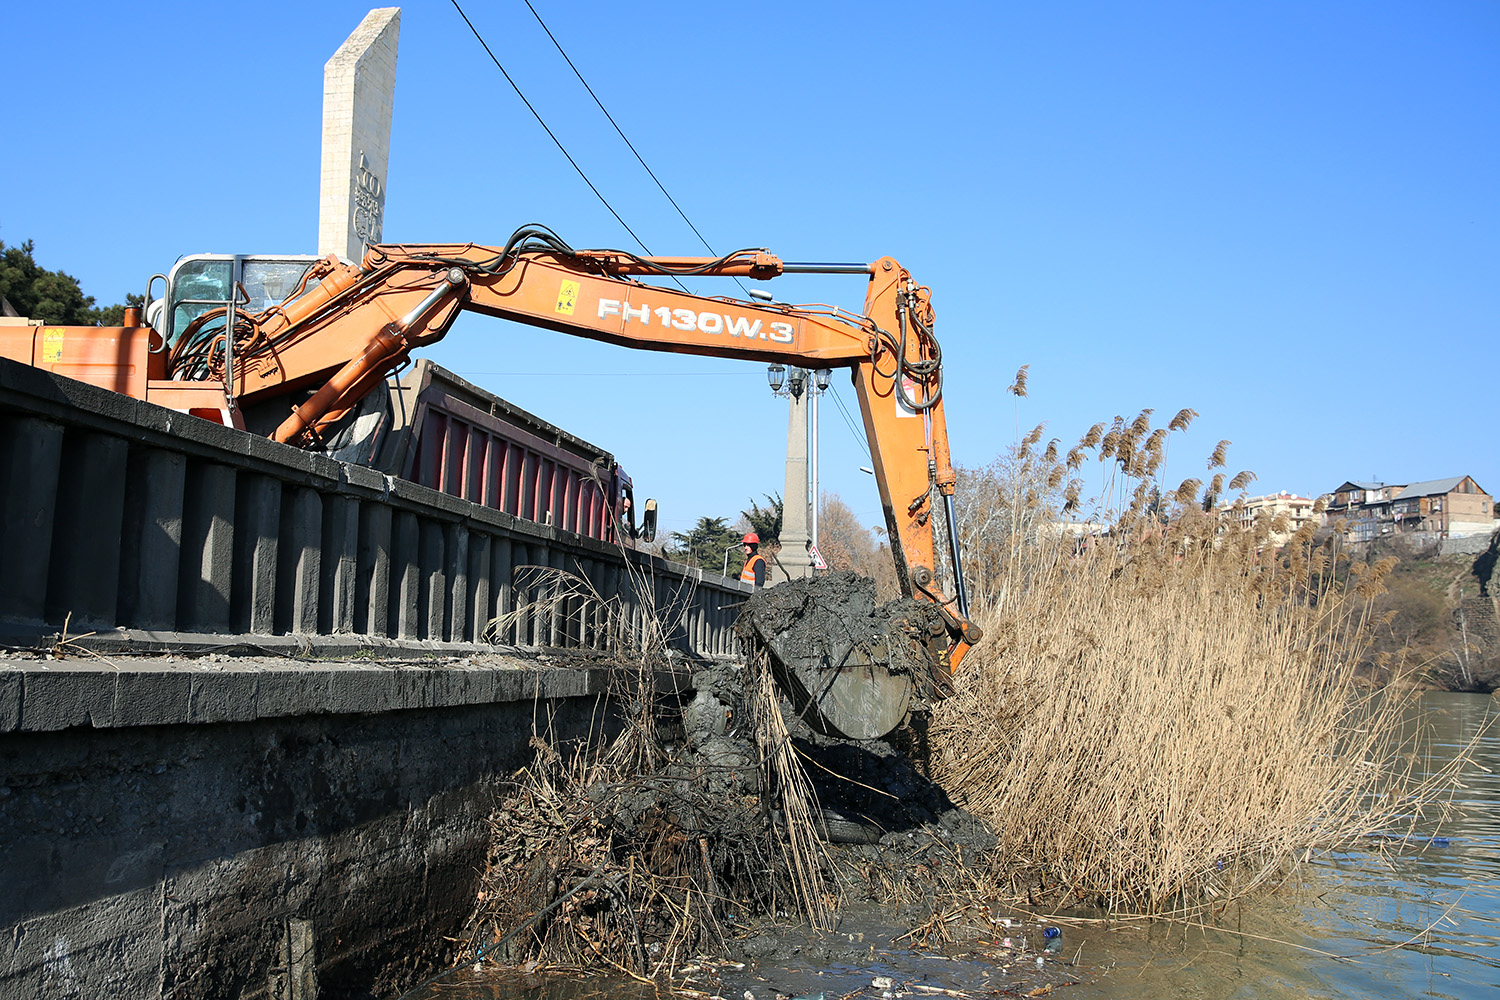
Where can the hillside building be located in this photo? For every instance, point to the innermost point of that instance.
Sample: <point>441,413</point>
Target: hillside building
<point>1444,508</point>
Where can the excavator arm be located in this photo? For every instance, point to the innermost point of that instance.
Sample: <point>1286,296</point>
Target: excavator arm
<point>352,326</point>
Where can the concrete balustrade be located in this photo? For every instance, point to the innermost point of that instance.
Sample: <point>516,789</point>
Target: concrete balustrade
<point>119,515</point>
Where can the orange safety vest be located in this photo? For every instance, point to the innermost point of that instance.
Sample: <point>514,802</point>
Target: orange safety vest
<point>747,575</point>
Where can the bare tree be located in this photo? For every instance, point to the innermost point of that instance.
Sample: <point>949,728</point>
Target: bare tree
<point>1015,500</point>
<point>848,545</point>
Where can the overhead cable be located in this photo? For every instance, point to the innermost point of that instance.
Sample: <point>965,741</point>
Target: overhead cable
<point>624,137</point>
<point>849,420</point>
<point>552,135</point>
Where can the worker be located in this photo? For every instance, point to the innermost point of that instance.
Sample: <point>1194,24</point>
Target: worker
<point>754,572</point>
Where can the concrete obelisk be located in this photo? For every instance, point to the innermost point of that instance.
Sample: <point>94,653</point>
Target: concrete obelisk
<point>359,85</point>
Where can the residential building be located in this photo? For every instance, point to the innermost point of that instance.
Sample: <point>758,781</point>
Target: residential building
<point>1446,508</point>
<point>1296,510</point>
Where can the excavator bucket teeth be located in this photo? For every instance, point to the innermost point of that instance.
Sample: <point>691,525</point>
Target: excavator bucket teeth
<point>851,669</point>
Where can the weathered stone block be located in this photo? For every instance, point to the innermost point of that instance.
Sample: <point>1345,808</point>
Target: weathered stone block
<point>257,546</point>
<point>10,701</point>
<point>223,696</point>
<point>299,560</point>
<point>340,546</point>
<point>151,697</point>
<point>372,594</point>
<point>83,583</point>
<point>64,695</point>
<point>207,566</point>
<point>30,460</point>
<point>283,691</point>
<point>151,542</point>
<point>96,951</point>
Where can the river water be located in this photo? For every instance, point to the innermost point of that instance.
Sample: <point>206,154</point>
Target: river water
<point>1417,918</point>
<point>1414,920</point>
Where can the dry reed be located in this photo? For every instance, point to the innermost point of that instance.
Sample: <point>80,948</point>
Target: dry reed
<point>1166,715</point>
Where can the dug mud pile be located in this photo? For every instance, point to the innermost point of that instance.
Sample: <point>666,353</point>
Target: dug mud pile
<point>698,823</point>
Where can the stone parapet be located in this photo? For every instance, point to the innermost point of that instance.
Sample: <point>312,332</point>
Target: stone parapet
<point>174,828</point>
<point>120,517</point>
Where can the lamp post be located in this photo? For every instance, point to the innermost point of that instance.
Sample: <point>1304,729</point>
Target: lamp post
<point>801,462</point>
<point>821,378</point>
<point>792,383</point>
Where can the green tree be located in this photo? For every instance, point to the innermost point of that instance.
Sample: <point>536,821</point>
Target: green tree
<point>51,296</point>
<point>115,315</point>
<point>704,546</point>
<point>765,521</point>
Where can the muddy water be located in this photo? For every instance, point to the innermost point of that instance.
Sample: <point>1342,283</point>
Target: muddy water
<point>1392,920</point>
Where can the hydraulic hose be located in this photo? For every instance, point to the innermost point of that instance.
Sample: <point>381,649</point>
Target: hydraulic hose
<point>920,369</point>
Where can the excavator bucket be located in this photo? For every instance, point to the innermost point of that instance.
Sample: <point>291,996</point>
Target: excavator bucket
<point>850,668</point>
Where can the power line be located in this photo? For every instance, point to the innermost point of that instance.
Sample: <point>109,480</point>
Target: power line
<point>623,136</point>
<point>640,242</point>
<point>849,420</point>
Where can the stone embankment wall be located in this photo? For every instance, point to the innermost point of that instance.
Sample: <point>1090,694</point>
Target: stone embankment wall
<point>1469,545</point>
<point>177,828</point>
<point>204,825</point>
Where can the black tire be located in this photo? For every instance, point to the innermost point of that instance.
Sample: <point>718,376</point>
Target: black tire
<point>836,828</point>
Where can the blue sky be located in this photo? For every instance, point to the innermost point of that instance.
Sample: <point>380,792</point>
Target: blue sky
<point>1283,215</point>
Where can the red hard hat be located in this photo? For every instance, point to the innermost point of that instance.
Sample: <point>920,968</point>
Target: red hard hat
<point>751,539</point>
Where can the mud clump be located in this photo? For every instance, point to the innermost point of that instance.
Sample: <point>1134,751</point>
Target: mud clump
<point>854,669</point>
<point>886,825</point>
<point>817,618</point>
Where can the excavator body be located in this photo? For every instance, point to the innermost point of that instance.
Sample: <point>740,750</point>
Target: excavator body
<point>292,347</point>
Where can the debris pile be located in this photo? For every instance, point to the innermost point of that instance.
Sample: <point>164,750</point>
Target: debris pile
<point>821,617</point>
<point>700,818</point>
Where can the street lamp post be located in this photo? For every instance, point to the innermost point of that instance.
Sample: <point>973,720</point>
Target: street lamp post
<point>793,558</point>
<point>802,389</point>
<point>821,378</point>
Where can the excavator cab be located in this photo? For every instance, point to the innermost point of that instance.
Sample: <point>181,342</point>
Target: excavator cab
<point>242,283</point>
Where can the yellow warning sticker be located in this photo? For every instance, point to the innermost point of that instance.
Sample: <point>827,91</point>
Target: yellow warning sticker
<point>567,297</point>
<point>52,343</point>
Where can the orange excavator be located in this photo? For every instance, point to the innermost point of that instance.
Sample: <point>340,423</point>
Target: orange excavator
<point>339,330</point>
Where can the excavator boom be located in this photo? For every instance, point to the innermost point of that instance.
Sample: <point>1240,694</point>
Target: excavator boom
<point>406,296</point>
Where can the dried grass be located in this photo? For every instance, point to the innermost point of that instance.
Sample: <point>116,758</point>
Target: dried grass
<point>804,857</point>
<point>1169,716</point>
